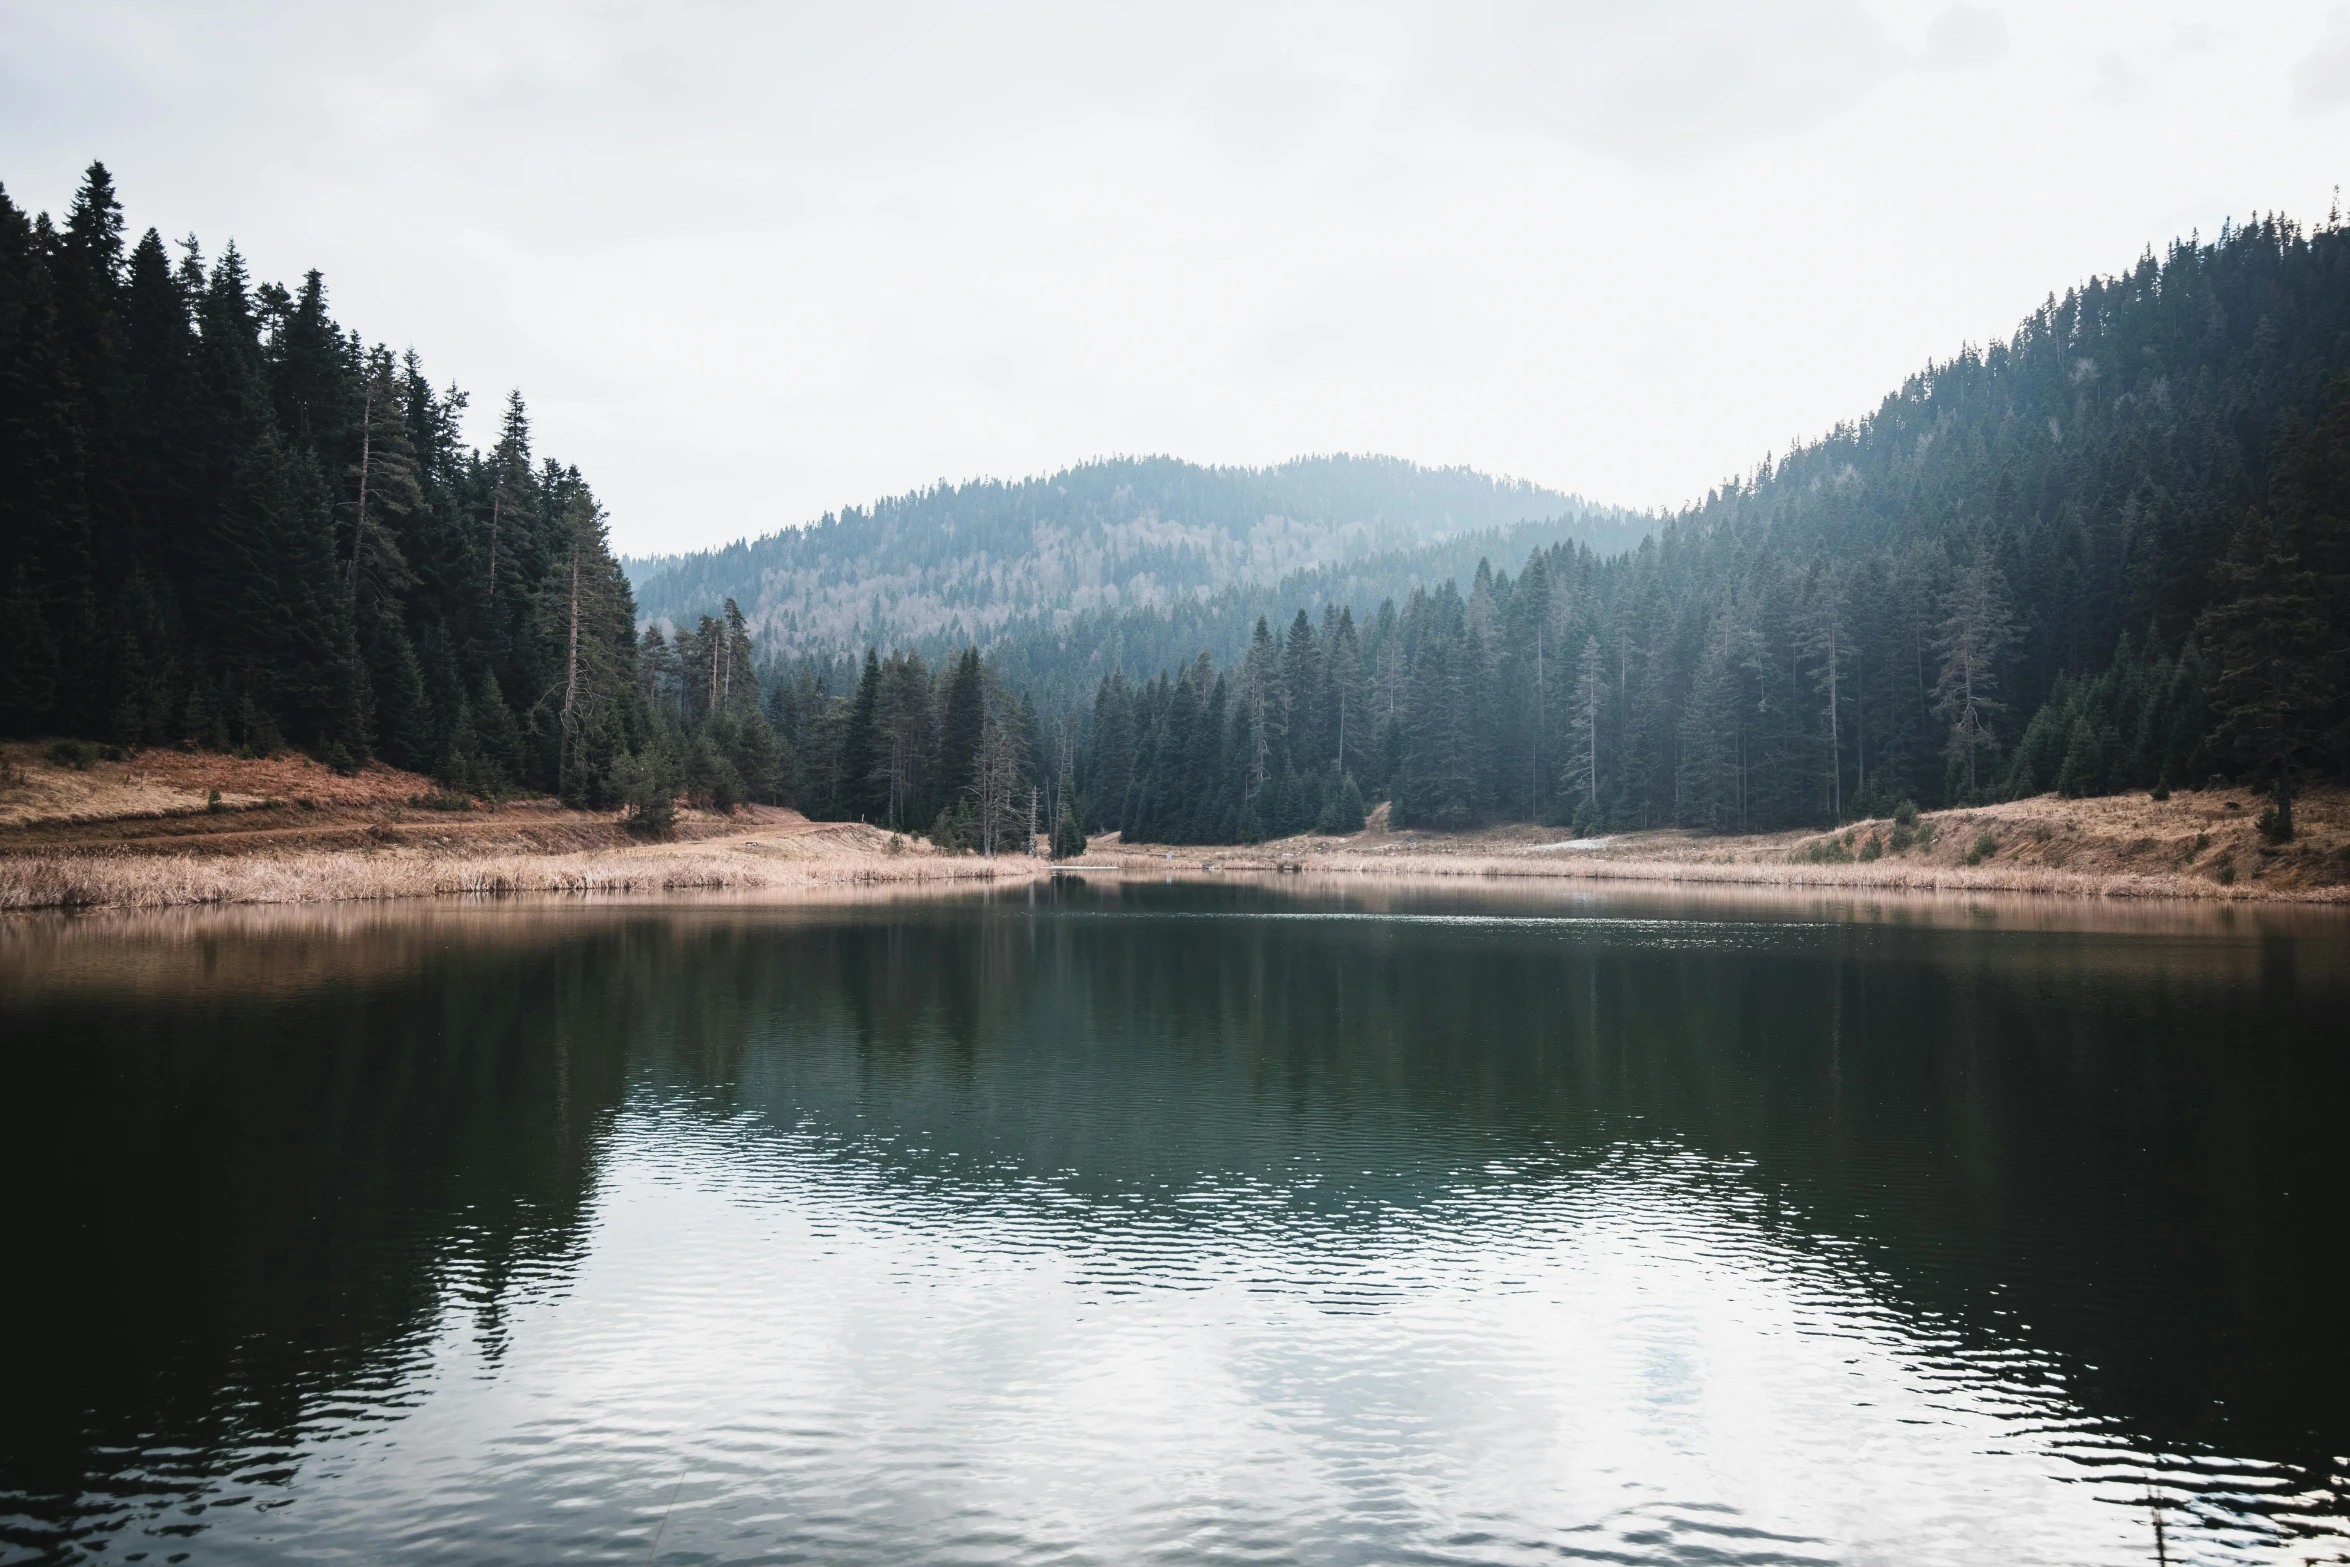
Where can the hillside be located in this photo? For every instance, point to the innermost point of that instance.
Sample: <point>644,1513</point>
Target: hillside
<point>2110,552</point>
<point>985,560</point>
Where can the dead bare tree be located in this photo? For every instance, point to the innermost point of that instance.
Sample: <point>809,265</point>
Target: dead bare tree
<point>998,774</point>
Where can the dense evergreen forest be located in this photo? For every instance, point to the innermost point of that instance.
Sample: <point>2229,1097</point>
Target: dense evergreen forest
<point>2110,552</point>
<point>228,522</point>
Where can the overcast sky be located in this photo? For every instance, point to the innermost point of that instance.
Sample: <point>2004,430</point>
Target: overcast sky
<point>749,263</point>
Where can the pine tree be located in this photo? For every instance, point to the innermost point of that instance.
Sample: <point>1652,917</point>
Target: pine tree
<point>902,722</point>
<point>385,491</point>
<point>657,667</point>
<point>1712,734</point>
<point>1977,627</point>
<point>1068,836</point>
<point>590,617</point>
<point>513,499</point>
<point>28,673</point>
<point>1579,779</point>
<point>1262,707</point>
<point>1826,643</point>
<point>1349,695</point>
<point>2270,638</point>
<point>860,745</point>
<point>1109,761</point>
<point>45,531</point>
<point>1301,689</point>
<point>961,715</point>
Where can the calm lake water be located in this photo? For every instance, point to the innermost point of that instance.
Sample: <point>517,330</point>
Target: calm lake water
<point>1179,1223</point>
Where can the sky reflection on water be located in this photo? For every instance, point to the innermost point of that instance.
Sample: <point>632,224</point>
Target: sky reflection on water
<point>1008,1232</point>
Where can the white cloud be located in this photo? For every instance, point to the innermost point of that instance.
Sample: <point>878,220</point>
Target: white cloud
<point>1966,37</point>
<point>750,262</point>
<point>2321,78</point>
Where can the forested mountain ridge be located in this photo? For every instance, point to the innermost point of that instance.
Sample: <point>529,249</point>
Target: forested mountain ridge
<point>2112,551</point>
<point>975,562</point>
<point>1060,657</point>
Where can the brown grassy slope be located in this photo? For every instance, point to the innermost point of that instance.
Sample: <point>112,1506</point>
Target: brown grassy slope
<point>2197,844</point>
<point>161,785</point>
<point>138,834</point>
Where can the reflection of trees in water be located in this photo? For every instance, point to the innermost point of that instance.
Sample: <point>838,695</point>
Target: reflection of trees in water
<point>2124,1155</point>
<point>239,1206</point>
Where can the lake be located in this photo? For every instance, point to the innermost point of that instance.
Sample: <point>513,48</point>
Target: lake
<point>1180,1222</point>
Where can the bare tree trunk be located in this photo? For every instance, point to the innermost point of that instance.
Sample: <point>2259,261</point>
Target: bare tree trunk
<point>995,778</point>
<point>497,501</point>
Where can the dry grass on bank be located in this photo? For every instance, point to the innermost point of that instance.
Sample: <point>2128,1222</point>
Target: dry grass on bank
<point>36,787</point>
<point>141,832</point>
<point>136,833</point>
<point>153,881</point>
<point>2197,844</point>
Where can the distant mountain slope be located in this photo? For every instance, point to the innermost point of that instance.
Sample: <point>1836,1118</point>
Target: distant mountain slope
<point>969,562</point>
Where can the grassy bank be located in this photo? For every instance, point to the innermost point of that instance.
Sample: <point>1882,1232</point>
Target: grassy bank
<point>78,881</point>
<point>169,829</point>
<point>2197,844</point>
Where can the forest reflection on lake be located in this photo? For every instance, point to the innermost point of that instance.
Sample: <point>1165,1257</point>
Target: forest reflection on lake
<point>1183,1222</point>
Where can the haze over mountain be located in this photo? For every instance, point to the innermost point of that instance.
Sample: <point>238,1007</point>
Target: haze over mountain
<point>977,561</point>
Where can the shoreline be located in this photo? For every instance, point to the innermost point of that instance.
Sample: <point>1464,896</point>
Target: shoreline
<point>171,830</point>
<point>761,865</point>
<point>1894,878</point>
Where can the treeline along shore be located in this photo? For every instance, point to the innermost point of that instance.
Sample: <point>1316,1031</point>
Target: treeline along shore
<point>2106,559</point>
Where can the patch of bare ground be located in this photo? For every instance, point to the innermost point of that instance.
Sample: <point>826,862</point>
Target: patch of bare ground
<point>2199,844</point>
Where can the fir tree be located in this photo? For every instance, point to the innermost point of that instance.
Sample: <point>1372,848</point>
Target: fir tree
<point>1977,627</point>
<point>2270,638</point>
